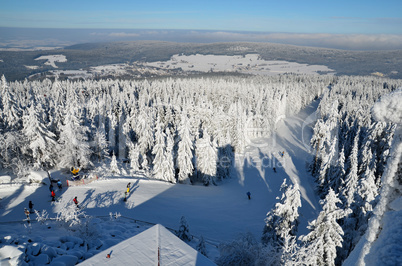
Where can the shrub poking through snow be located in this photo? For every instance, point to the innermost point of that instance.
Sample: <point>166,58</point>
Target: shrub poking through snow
<point>184,233</point>
<point>201,246</point>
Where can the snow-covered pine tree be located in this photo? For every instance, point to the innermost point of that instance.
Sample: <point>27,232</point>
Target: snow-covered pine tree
<point>184,233</point>
<point>41,142</point>
<point>159,152</point>
<point>325,233</point>
<point>201,247</point>
<point>206,157</point>
<point>283,218</point>
<point>348,193</point>
<point>290,251</point>
<point>351,180</point>
<point>134,156</point>
<point>145,132</point>
<point>100,144</point>
<point>367,191</point>
<point>326,163</point>
<point>74,149</point>
<point>144,164</point>
<point>317,142</point>
<point>185,151</point>
<point>168,164</point>
<point>10,112</point>
<point>114,168</point>
<point>337,173</point>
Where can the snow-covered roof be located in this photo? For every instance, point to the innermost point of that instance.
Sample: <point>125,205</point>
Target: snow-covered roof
<point>155,246</point>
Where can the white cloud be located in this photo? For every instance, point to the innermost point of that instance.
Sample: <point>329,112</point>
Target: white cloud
<point>123,34</point>
<point>340,41</point>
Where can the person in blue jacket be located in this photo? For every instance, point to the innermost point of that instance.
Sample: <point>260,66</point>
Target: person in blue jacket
<point>59,185</point>
<point>249,195</point>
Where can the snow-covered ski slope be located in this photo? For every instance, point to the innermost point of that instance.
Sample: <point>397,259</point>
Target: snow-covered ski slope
<point>218,213</point>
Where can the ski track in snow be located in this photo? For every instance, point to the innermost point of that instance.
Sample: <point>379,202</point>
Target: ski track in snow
<point>219,213</point>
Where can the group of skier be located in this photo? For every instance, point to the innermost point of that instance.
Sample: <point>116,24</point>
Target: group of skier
<point>59,184</point>
<point>51,189</point>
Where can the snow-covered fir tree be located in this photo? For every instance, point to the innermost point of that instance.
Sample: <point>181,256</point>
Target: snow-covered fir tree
<point>326,234</point>
<point>114,168</point>
<point>74,149</point>
<point>10,111</point>
<point>134,155</point>
<point>207,158</point>
<point>100,144</point>
<point>41,141</point>
<point>168,164</point>
<point>351,180</point>
<point>185,151</point>
<point>159,152</point>
<point>201,246</point>
<point>184,232</point>
<point>283,218</point>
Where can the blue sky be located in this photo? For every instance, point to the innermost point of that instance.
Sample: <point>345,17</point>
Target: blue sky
<point>292,16</point>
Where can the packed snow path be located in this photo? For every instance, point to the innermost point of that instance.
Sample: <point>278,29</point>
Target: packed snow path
<point>288,151</point>
<point>218,213</point>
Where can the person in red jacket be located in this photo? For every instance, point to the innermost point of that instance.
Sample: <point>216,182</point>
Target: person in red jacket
<point>75,201</point>
<point>53,195</point>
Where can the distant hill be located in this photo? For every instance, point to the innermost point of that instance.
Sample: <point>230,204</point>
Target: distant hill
<point>17,65</point>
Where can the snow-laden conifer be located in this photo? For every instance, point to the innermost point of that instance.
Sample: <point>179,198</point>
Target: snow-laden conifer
<point>41,142</point>
<point>159,152</point>
<point>74,149</point>
<point>11,113</point>
<point>325,233</point>
<point>185,151</point>
<point>184,232</point>
<point>114,168</point>
<point>283,218</point>
<point>134,155</point>
<point>206,157</point>
<point>168,164</point>
<point>351,180</point>
<point>100,146</point>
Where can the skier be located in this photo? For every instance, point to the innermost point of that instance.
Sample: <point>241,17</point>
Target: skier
<point>75,201</point>
<point>128,188</point>
<point>283,153</point>
<point>30,204</point>
<point>53,195</point>
<point>59,185</point>
<point>249,195</point>
<point>27,214</point>
<point>274,169</point>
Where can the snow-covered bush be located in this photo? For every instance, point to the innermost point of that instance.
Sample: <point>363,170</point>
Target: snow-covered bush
<point>246,250</point>
<point>42,217</point>
<point>201,246</point>
<point>184,233</point>
<point>114,216</point>
<point>70,217</point>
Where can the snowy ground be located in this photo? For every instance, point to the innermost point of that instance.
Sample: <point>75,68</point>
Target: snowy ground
<point>52,59</point>
<point>218,213</point>
<point>248,64</point>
